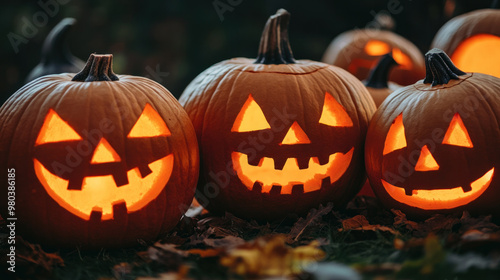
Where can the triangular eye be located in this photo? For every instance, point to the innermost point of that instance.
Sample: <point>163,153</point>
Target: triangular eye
<point>333,113</point>
<point>149,124</point>
<point>250,117</point>
<point>396,138</point>
<point>55,129</point>
<point>457,134</point>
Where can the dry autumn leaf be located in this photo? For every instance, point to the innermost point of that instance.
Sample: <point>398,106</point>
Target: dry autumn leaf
<point>360,222</point>
<point>271,257</point>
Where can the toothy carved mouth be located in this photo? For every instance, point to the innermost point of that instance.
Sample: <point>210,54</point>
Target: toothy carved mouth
<point>99,193</point>
<point>440,198</point>
<point>265,174</point>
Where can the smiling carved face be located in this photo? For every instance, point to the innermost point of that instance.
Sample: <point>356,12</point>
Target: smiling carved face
<point>295,165</point>
<point>429,183</point>
<point>103,181</point>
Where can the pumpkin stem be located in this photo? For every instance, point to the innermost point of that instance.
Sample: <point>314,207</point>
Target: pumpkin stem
<point>55,47</point>
<point>380,74</point>
<point>439,68</point>
<point>274,46</point>
<point>99,67</point>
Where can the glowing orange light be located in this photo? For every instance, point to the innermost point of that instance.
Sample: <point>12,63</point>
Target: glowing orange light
<point>441,198</point>
<point>401,58</point>
<point>426,161</point>
<point>295,135</point>
<point>104,153</point>
<point>334,114</point>
<point>479,53</point>
<point>457,134</point>
<point>101,192</point>
<point>149,124</point>
<point>396,138</point>
<point>290,175</point>
<point>376,48</point>
<point>55,129</point>
<point>250,117</point>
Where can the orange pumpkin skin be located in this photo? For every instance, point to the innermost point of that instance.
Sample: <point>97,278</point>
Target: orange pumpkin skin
<point>351,51</point>
<point>50,130</point>
<point>287,94</point>
<point>472,40</point>
<point>433,147</point>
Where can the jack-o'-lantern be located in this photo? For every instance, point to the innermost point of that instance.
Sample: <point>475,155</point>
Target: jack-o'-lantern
<point>358,51</point>
<point>377,84</point>
<point>277,135</point>
<point>102,159</point>
<point>472,40</point>
<point>433,147</point>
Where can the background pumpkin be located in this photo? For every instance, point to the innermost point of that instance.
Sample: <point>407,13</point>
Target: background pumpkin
<point>377,83</point>
<point>101,160</point>
<point>56,57</point>
<point>276,135</point>
<point>358,51</point>
<point>433,147</point>
<point>472,40</point>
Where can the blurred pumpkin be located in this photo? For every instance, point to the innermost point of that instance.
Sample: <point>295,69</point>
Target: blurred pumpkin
<point>358,51</point>
<point>56,57</point>
<point>276,135</point>
<point>433,147</point>
<point>103,160</point>
<point>473,41</point>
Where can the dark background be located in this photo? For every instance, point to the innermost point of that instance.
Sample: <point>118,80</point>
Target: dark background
<point>184,37</point>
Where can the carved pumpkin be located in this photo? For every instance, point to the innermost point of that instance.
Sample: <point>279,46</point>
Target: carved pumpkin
<point>433,147</point>
<point>108,159</point>
<point>377,84</point>
<point>473,41</point>
<point>358,51</point>
<point>56,57</point>
<point>277,135</point>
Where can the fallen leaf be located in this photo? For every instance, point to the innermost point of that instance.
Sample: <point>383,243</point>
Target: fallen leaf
<point>400,220</point>
<point>360,222</point>
<point>271,257</point>
<point>122,270</point>
<point>312,219</point>
<point>227,242</point>
<point>434,255</point>
<point>31,260</point>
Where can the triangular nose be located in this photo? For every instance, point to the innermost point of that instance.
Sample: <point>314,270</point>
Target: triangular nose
<point>104,153</point>
<point>426,161</point>
<point>295,135</point>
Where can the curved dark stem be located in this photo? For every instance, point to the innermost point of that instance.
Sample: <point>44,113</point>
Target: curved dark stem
<point>55,47</point>
<point>380,74</point>
<point>439,68</point>
<point>274,46</point>
<point>495,4</point>
<point>99,67</point>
